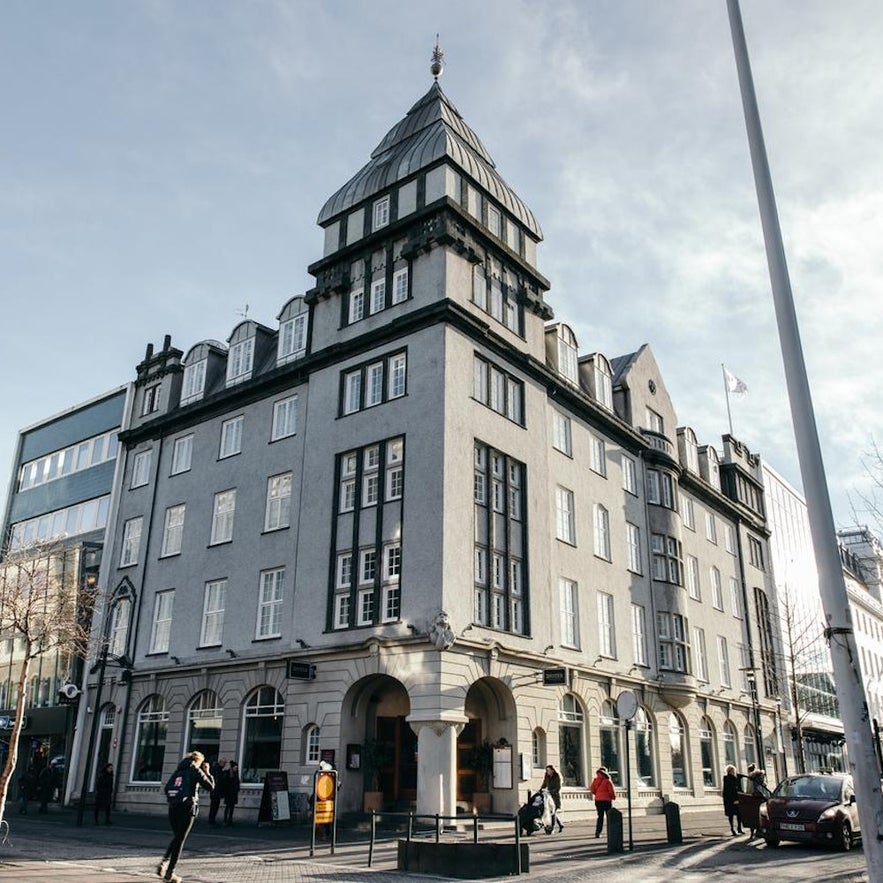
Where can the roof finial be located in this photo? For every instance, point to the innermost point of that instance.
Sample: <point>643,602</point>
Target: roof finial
<point>438,60</point>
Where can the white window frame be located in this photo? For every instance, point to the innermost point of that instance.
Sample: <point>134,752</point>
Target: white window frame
<point>141,464</point>
<point>380,213</point>
<point>700,655</point>
<point>723,658</point>
<point>240,361</point>
<point>694,587</point>
<point>633,547</point>
<point>131,544</point>
<point>284,418</point>
<point>598,455</point>
<point>735,597</point>
<point>270,599</point>
<point>711,528</point>
<point>603,385</point>
<point>629,475</point>
<point>400,286</point>
<point>352,391</point>
<point>173,531</point>
<point>223,516</point>
<point>161,628</point>
<point>568,603</point>
<point>182,454</point>
<point>606,626</point>
<point>356,307</point>
<point>601,525</point>
<point>562,439</point>
<point>565,516</point>
<point>193,384</point>
<point>717,591</point>
<point>277,512</point>
<point>231,437</point>
<point>292,339</point>
<point>213,607</point>
<point>378,295</point>
<point>639,634</point>
<point>688,512</point>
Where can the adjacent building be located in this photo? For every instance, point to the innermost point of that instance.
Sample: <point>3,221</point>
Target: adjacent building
<point>412,523</point>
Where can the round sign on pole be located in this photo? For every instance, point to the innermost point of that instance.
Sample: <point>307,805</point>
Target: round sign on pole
<point>626,705</point>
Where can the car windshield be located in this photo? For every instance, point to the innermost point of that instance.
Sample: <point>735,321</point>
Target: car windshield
<point>810,788</point>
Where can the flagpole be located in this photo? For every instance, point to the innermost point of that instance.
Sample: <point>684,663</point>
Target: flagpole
<point>839,628</point>
<point>727,394</point>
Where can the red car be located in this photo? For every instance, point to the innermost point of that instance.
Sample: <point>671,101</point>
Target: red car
<point>812,808</point>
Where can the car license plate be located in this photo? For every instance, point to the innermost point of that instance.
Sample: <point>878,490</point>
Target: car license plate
<point>787,826</point>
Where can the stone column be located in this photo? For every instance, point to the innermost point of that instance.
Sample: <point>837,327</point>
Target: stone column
<point>437,765</point>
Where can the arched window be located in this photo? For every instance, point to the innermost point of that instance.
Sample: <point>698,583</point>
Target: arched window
<point>749,745</point>
<point>311,744</point>
<point>293,327</point>
<point>714,473</point>
<point>567,355</point>
<point>105,738</point>
<point>570,741</point>
<point>706,748</point>
<point>677,737</point>
<point>119,627</point>
<point>691,451</point>
<point>644,749</point>
<point>730,753</point>
<point>240,356</point>
<point>538,748</point>
<point>603,382</point>
<point>151,726</point>
<point>611,748</point>
<point>204,725</point>
<point>261,734</point>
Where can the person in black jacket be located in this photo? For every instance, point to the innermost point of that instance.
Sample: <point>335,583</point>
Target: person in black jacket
<point>231,792</point>
<point>104,793</point>
<point>182,793</point>
<point>218,774</point>
<point>730,794</point>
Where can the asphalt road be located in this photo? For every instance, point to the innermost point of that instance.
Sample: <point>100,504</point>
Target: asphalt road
<point>52,849</point>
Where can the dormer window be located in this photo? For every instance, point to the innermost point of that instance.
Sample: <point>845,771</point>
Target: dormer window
<point>691,451</point>
<point>603,383</point>
<point>714,475</point>
<point>293,325</point>
<point>567,356</point>
<point>381,213</point>
<point>240,361</point>
<point>194,381</point>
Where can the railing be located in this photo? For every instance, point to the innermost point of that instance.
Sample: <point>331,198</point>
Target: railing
<point>437,820</point>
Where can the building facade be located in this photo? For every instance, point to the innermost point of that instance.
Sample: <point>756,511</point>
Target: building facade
<point>411,525</point>
<point>58,503</point>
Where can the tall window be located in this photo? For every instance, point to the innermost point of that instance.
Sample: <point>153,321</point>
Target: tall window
<point>700,656</point>
<point>378,295</point>
<point>312,755</point>
<point>633,547</point>
<point>263,718</point>
<point>717,592</point>
<point>182,454</point>
<point>601,524</point>
<point>278,502</point>
<point>611,747</point>
<point>381,213</point>
<point>691,451</point>
<point>391,597</point>
<point>284,418</point>
<point>141,468</point>
<point>639,634</point>
<point>498,390</point>
<point>694,589</point>
<point>561,433</point>
<point>356,305</point>
<point>735,598</point>
<point>672,632</point>
<point>500,592</point>
<point>666,558</point>
<point>688,512</point>
<point>240,360</point>
<point>193,385</point>
<point>162,621</point>
<point>569,608</point>
<point>570,741</point>
<point>706,750</point>
<point>629,475</point>
<point>729,738</point>
<point>730,538</point>
<point>150,402</point>
<point>755,552</point>
<point>603,383</point>
<point>710,528</point>
<point>606,627</point>
<point>677,738</point>
<point>131,542</point>
<point>598,455</point>
<point>213,606</point>
<point>222,517</point>
<point>567,355</point>
<point>565,522</point>
<point>150,740</point>
<point>373,383</point>
<point>204,724</point>
<point>660,488</point>
<point>765,634</point>
<point>748,745</point>
<point>270,603</point>
<point>645,751</point>
<point>231,437</point>
<point>118,632</point>
<point>723,658</point>
<point>342,588</point>
<point>173,531</point>
<point>400,286</point>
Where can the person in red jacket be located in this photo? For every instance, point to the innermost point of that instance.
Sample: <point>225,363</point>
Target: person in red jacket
<point>604,793</point>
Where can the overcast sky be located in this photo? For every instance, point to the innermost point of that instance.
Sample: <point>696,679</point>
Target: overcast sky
<point>162,165</point>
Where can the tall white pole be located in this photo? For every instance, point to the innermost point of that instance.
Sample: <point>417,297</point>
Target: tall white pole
<point>844,653</point>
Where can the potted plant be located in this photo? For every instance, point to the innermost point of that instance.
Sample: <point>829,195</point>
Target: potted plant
<point>375,755</point>
<point>482,761</point>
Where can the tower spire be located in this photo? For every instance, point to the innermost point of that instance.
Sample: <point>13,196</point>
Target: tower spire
<point>438,61</point>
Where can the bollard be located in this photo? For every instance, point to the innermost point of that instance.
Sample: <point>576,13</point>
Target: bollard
<point>614,830</point>
<point>673,822</point>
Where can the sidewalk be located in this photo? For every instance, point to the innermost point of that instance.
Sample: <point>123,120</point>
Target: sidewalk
<point>52,847</point>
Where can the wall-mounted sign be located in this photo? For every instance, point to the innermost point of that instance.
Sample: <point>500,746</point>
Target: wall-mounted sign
<point>553,677</point>
<point>304,671</point>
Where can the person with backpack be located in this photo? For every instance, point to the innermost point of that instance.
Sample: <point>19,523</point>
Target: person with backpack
<point>182,794</point>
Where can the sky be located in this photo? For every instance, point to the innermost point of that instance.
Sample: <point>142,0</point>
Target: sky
<point>162,165</point>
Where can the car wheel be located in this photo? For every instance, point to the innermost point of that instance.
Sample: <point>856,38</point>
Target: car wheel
<point>771,840</point>
<point>845,841</point>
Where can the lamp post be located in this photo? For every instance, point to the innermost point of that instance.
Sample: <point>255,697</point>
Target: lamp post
<point>751,678</point>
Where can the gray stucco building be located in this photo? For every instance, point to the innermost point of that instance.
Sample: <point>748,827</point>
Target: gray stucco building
<point>367,532</point>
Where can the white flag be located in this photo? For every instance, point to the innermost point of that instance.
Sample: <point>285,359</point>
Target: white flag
<point>735,385</point>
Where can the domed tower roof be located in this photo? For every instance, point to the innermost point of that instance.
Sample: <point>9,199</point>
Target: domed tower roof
<point>432,130</point>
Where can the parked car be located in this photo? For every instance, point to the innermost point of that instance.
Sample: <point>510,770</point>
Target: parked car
<point>812,808</point>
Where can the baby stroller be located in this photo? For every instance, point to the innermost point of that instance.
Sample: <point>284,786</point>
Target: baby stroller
<point>538,814</point>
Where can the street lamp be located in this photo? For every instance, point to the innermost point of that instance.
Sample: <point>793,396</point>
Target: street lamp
<point>751,678</point>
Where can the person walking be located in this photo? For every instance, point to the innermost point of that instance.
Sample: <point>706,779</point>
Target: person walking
<point>231,792</point>
<point>182,793</point>
<point>604,793</point>
<point>552,783</point>
<point>218,773</point>
<point>104,793</point>
<point>730,793</point>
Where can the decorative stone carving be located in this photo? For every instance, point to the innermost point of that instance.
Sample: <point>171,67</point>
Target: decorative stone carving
<point>441,634</point>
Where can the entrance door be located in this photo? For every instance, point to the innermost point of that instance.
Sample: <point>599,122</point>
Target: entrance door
<point>398,777</point>
<point>467,744</point>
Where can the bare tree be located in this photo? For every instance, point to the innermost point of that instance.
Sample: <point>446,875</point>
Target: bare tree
<point>45,610</point>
